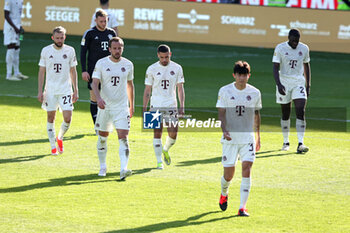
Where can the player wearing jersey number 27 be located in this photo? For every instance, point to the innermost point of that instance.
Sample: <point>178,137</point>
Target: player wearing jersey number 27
<point>59,63</point>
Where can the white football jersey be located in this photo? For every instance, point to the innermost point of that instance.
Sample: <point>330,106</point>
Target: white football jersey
<point>58,63</point>
<point>163,80</point>
<point>291,63</point>
<point>114,77</point>
<point>112,18</point>
<point>15,9</point>
<point>240,108</point>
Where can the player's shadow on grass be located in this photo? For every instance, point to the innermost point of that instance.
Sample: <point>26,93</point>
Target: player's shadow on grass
<point>42,140</point>
<point>281,153</point>
<point>175,225</point>
<point>22,159</point>
<point>200,161</point>
<point>73,180</point>
<point>218,159</point>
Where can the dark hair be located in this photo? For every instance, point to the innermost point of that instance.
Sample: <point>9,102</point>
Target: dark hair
<point>103,2</point>
<point>115,39</point>
<point>294,32</point>
<point>163,48</point>
<point>100,13</point>
<point>59,29</point>
<point>241,67</point>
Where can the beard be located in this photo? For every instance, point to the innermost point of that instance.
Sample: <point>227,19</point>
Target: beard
<point>58,45</point>
<point>116,56</point>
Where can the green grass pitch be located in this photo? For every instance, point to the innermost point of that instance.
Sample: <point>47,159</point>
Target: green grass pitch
<point>290,192</point>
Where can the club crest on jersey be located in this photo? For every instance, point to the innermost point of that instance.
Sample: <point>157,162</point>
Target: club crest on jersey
<point>300,53</point>
<point>97,125</point>
<point>123,69</point>
<point>172,72</point>
<point>249,98</point>
<point>110,36</point>
<point>64,56</point>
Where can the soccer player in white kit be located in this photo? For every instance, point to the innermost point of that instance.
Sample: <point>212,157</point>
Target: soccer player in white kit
<point>59,63</point>
<point>112,19</point>
<point>238,105</point>
<point>116,74</point>
<point>12,31</point>
<point>292,73</point>
<point>162,79</point>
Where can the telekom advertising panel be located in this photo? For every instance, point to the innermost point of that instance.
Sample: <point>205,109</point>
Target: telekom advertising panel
<point>225,24</point>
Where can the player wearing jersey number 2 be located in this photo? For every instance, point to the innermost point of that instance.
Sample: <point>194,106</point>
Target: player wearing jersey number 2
<point>291,70</point>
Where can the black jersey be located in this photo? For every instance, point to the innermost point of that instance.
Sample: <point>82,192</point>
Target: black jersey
<point>95,43</point>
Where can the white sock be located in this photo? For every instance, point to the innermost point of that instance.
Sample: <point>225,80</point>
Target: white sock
<point>169,142</point>
<point>9,61</point>
<point>16,62</point>
<point>157,146</point>
<point>285,130</point>
<point>245,189</point>
<point>52,134</point>
<point>300,125</point>
<point>123,153</point>
<point>102,150</point>
<point>63,130</point>
<point>224,186</point>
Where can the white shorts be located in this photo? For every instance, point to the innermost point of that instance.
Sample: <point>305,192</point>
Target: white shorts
<point>107,120</point>
<point>52,102</point>
<point>168,114</point>
<point>292,93</point>
<point>230,153</point>
<point>11,37</point>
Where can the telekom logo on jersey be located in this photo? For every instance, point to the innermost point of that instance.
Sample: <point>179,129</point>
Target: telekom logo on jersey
<point>57,67</point>
<point>293,63</point>
<point>104,45</point>
<point>165,84</point>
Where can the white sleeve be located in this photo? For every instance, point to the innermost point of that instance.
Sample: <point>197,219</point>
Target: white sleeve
<point>7,6</point>
<point>180,76</point>
<point>258,104</point>
<point>93,23</point>
<point>276,56</point>
<point>149,77</point>
<point>42,61</point>
<point>307,55</point>
<point>221,100</point>
<point>97,71</point>
<point>113,20</point>
<point>131,73</point>
<point>73,62</point>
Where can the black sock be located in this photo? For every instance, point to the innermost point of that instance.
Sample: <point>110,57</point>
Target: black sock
<point>93,110</point>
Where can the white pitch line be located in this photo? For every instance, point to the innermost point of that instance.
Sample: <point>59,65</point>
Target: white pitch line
<point>199,110</point>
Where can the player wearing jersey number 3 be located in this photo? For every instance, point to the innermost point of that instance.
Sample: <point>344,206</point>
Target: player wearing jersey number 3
<point>291,70</point>
<point>239,107</point>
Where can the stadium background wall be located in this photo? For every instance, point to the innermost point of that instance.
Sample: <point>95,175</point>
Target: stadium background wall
<point>225,24</point>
